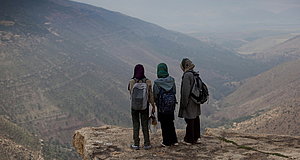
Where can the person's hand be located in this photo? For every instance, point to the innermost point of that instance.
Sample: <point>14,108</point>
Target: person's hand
<point>153,110</point>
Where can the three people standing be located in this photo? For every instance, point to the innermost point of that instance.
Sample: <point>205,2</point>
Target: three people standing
<point>163,94</point>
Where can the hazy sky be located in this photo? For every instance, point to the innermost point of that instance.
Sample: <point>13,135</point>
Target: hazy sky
<point>207,15</point>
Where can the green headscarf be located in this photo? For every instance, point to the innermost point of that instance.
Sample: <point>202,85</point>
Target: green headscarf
<point>162,70</point>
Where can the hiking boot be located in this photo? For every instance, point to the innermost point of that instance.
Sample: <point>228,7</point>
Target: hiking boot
<point>135,147</point>
<point>147,147</point>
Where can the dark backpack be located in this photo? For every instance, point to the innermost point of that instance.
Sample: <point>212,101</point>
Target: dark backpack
<point>166,101</point>
<point>199,92</point>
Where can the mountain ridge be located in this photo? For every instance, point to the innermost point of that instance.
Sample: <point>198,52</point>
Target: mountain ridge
<point>277,48</point>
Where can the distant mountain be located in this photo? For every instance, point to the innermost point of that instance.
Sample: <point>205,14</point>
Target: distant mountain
<point>247,42</point>
<point>291,14</point>
<point>260,45</point>
<point>278,87</point>
<point>65,65</point>
<point>276,48</point>
<point>289,49</point>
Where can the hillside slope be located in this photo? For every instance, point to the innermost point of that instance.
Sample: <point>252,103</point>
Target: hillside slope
<point>277,78</point>
<point>17,142</point>
<point>289,49</point>
<point>9,150</point>
<point>283,120</point>
<point>277,87</point>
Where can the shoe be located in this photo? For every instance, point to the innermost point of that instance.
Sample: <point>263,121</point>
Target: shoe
<point>135,147</point>
<point>198,141</point>
<point>187,143</point>
<point>176,144</point>
<point>147,147</point>
<point>163,145</point>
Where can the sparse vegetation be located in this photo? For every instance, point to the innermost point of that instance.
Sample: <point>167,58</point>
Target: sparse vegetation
<point>55,150</point>
<point>18,134</point>
<point>250,148</point>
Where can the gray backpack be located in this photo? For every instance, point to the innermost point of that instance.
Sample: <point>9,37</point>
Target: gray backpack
<point>139,95</point>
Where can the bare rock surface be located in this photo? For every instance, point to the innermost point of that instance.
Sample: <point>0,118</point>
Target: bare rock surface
<point>110,142</point>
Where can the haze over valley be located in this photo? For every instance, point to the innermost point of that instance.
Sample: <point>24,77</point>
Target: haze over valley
<point>65,65</point>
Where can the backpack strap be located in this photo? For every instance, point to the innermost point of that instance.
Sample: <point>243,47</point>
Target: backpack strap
<point>144,80</point>
<point>140,80</point>
<point>194,74</point>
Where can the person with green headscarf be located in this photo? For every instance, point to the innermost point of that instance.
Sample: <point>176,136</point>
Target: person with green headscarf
<point>165,84</point>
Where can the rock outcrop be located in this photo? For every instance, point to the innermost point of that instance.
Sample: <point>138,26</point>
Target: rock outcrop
<point>110,142</point>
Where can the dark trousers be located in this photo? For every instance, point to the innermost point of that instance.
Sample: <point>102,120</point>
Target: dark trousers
<point>168,132</point>
<point>136,117</point>
<point>192,132</point>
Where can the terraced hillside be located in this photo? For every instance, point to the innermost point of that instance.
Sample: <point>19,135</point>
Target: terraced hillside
<point>10,151</point>
<point>65,65</point>
<point>17,142</point>
<point>19,134</point>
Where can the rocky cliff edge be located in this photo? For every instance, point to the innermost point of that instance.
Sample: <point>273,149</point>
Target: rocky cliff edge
<point>111,142</point>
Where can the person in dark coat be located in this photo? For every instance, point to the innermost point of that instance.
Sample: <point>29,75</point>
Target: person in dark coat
<point>166,120</point>
<point>189,110</point>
